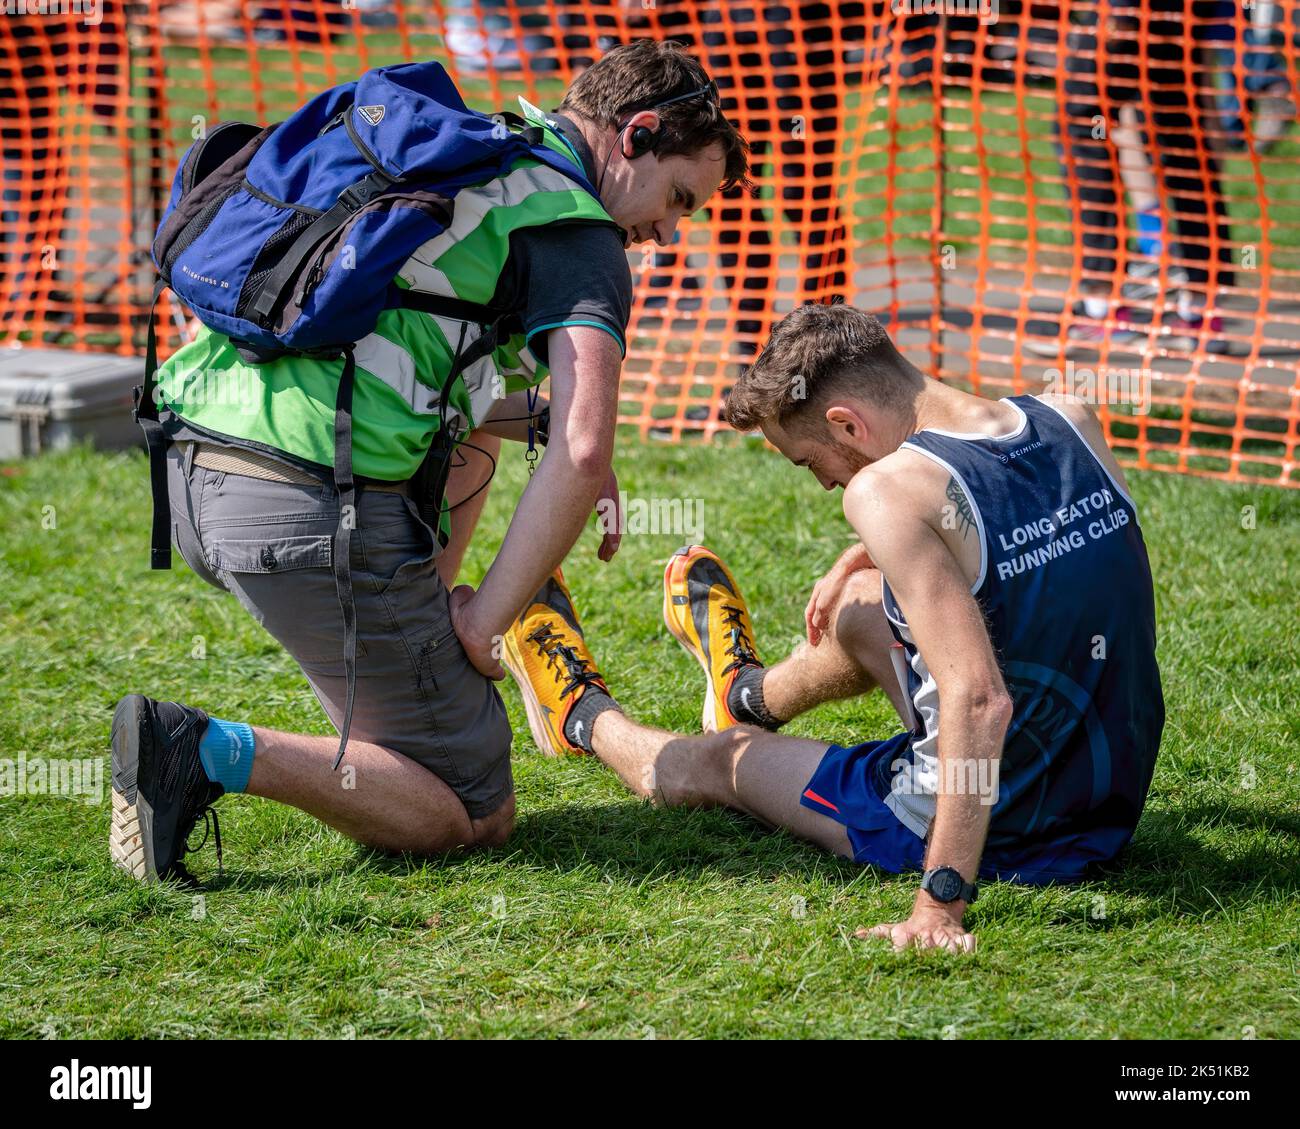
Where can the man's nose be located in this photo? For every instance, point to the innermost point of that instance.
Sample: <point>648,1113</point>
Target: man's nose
<point>665,231</point>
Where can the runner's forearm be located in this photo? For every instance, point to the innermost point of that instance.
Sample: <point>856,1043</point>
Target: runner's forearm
<point>970,751</point>
<point>551,516</point>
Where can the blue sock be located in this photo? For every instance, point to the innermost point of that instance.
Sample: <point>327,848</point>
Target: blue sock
<point>226,750</point>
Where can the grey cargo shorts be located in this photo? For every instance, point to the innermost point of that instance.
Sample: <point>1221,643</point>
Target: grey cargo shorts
<point>269,544</point>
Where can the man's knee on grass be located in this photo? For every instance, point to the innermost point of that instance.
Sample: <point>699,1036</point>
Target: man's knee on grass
<point>446,838</point>
<point>493,830</point>
<point>699,771</point>
<point>481,834</point>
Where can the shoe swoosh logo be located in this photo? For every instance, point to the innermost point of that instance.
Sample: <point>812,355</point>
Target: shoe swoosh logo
<point>704,574</point>
<point>548,713</point>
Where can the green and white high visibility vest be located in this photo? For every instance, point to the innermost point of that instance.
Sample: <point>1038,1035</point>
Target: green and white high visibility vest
<point>287,405</point>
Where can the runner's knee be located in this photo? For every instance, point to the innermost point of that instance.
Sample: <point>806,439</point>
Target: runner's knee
<point>859,617</point>
<point>862,591</point>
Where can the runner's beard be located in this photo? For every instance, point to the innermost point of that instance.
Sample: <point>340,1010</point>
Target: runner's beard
<point>855,460</point>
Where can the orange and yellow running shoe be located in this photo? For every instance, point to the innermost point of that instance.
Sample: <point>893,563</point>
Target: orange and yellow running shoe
<point>547,654</point>
<point>706,613</point>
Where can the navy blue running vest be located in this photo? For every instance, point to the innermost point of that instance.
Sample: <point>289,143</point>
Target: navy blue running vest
<point>1065,586</point>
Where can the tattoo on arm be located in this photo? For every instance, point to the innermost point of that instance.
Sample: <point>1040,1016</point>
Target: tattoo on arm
<point>965,516</point>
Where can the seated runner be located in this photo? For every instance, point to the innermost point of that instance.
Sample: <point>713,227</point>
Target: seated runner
<point>1000,584</point>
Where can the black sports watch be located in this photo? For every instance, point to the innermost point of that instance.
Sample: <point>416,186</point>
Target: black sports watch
<point>944,884</point>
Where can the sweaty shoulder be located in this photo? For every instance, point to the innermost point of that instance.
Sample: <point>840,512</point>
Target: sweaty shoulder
<point>906,500</point>
<point>899,487</point>
<point>1089,426</point>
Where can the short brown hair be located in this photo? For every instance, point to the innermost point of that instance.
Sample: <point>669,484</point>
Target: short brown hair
<point>815,352</point>
<point>635,76</point>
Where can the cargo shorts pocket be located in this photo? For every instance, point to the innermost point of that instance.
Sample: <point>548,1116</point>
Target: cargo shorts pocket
<point>287,585</point>
<point>436,648</point>
<point>400,549</point>
<point>271,554</point>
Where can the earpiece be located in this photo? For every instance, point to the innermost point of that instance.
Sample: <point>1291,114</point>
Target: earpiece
<point>643,141</point>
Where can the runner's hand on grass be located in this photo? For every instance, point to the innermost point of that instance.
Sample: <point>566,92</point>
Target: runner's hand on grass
<point>930,927</point>
<point>826,592</point>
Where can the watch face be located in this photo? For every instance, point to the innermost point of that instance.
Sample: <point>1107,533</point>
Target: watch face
<point>946,885</point>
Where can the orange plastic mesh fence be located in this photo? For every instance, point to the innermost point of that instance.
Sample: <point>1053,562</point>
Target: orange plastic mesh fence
<point>1097,196</point>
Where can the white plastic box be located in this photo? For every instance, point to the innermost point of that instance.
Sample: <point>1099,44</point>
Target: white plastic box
<point>51,399</point>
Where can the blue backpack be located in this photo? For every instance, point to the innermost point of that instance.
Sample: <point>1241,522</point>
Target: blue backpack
<point>253,239</point>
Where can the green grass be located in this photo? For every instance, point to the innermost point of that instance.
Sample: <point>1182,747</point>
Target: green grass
<point>604,916</point>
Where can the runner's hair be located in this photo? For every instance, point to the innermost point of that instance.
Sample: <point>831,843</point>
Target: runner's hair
<point>816,353</point>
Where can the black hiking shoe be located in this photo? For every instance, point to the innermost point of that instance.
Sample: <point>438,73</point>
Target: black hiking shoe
<point>159,788</point>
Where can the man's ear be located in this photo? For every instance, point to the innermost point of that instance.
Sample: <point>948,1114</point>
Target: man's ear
<point>643,118</point>
<point>845,423</point>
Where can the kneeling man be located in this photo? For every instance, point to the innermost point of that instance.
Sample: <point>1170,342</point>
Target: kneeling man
<point>1000,596</point>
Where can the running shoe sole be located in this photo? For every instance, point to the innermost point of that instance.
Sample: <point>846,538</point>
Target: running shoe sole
<point>676,572</point>
<point>132,818</point>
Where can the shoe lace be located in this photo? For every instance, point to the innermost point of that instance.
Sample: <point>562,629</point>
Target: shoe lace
<point>201,795</point>
<point>211,824</point>
<point>563,659</point>
<point>741,649</point>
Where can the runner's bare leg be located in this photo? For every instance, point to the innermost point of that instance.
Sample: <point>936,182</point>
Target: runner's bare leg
<point>851,658</point>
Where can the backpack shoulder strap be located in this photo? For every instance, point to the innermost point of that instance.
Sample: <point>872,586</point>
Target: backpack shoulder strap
<point>146,415</point>
<point>350,201</point>
<point>458,309</point>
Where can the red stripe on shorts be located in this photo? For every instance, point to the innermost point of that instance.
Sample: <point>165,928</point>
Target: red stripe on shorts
<point>811,795</point>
